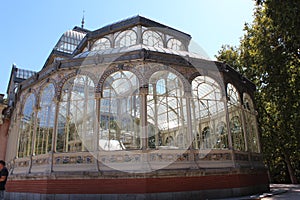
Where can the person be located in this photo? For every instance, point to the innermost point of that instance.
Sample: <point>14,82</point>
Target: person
<point>3,178</point>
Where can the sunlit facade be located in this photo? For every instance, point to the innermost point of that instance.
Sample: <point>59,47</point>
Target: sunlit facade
<point>130,101</point>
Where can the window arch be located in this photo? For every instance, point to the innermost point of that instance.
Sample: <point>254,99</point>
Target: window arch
<point>76,116</point>
<point>120,112</point>
<point>235,116</point>
<point>45,120</point>
<point>166,109</point>
<point>169,141</point>
<point>248,103</point>
<point>101,44</point>
<point>233,95</point>
<point>125,39</point>
<point>207,111</point>
<point>152,38</point>
<point>27,127</point>
<point>174,44</point>
<point>251,124</point>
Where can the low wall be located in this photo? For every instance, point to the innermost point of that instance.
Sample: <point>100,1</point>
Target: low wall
<point>197,195</point>
<point>189,187</point>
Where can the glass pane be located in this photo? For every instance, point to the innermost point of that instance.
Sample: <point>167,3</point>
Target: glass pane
<point>126,39</point>
<point>120,112</point>
<point>152,38</point>
<point>76,116</point>
<point>166,112</point>
<point>45,121</point>
<point>251,124</point>
<point>69,41</point>
<point>174,44</point>
<point>235,115</point>
<point>101,44</point>
<point>26,127</point>
<point>208,114</point>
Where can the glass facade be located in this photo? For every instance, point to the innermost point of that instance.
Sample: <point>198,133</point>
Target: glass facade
<point>138,35</point>
<point>174,119</point>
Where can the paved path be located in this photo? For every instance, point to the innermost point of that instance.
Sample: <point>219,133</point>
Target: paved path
<point>278,192</point>
<point>285,191</point>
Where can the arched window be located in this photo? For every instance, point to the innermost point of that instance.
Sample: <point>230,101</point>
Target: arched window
<point>75,130</point>
<point>152,38</point>
<point>120,112</point>
<point>251,124</point>
<point>222,141</point>
<point>207,111</point>
<point>45,120</point>
<point>235,115</point>
<point>206,138</point>
<point>166,109</point>
<point>27,127</point>
<point>101,44</point>
<point>174,44</point>
<point>233,95</point>
<point>237,133</point>
<point>126,39</point>
<point>170,141</point>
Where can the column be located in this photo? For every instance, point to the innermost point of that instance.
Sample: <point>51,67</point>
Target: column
<point>189,118</point>
<point>230,145</point>
<point>244,126</point>
<point>35,111</point>
<point>53,148</point>
<point>143,111</point>
<point>155,116</point>
<point>139,34</point>
<point>97,129</point>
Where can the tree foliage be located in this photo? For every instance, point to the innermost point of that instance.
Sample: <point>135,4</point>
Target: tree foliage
<point>269,55</point>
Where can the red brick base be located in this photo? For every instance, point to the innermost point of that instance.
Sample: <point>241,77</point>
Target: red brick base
<point>136,185</point>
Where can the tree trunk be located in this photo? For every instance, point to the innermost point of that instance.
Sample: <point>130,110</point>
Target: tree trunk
<point>290,169</point>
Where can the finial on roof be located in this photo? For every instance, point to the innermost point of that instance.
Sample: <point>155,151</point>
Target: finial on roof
<point>82,21</point>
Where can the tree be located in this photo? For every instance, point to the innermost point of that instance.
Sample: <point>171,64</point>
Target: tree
<point>269,55</point>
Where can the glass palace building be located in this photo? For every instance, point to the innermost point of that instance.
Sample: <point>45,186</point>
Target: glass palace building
<point>129,110</point>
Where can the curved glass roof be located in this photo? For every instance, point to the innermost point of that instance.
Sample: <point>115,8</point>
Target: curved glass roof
<point>139,47</point>
<point>69,41</point>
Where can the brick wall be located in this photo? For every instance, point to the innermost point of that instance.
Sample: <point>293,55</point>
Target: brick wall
<point>136,185</point>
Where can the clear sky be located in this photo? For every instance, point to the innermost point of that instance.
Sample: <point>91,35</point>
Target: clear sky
<point>30,29</point>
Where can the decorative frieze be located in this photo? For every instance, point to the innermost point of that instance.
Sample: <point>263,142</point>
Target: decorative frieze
<point>241,156</point>
<point>72,158</point>
<point>212,156</point>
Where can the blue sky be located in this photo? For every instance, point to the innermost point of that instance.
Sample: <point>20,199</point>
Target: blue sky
<point>30,29</point>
